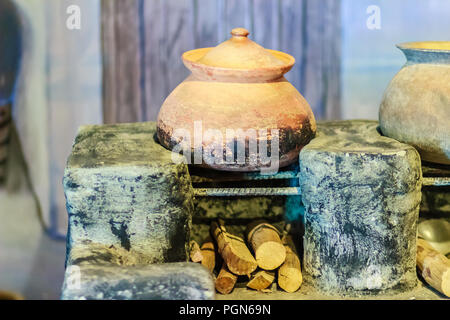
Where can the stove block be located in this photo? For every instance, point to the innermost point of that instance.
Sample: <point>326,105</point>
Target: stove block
<point>362,193</point>
<point>101,272</point>
<point>124,190</point>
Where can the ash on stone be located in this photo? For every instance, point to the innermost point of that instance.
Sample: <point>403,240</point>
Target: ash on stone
<point>361,193</point>
<point>130,206</point>
<point>123,189</point>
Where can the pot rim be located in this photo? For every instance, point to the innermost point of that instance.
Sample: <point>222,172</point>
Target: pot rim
<point>425,46</point>
<point>190,59</point>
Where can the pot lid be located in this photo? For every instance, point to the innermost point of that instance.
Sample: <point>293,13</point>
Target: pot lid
<point>239,52</point>
<point>238,57</point>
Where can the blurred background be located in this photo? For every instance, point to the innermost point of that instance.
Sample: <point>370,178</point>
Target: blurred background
<point>64,63</point>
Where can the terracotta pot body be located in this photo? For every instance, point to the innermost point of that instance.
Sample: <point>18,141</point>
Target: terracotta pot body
<point>235,99</point>
<point>416,105</point>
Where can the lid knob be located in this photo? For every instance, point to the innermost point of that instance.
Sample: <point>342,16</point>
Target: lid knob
<point>239,32</point>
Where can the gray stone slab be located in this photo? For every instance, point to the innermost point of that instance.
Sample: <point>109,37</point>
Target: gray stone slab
<point>124,189</point>
<point>361,193</point>
<point>100,272</point>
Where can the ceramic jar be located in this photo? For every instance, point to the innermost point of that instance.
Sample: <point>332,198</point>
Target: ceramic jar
<point>416,105</point>
<point>235,99</point>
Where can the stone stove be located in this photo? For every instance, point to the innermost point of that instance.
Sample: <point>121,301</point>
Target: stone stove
<point>131,209</point>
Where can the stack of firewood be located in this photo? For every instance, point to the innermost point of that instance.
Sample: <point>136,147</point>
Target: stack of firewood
<point>265,255</point>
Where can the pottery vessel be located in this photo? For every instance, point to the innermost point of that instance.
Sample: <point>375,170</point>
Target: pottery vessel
<point>416,105</point>
<point>235,99</point>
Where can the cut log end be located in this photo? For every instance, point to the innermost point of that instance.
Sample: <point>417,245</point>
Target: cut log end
<point>266,244</point>
<point>270,255</point>
<point>261,280</point>
<point>290,279</point>
<point>225,285</point>
<point>289,274</point>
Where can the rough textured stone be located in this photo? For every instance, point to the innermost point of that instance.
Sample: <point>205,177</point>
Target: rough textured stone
<point>124,189</point>
<point>101,272</point>
<point>361,193</point>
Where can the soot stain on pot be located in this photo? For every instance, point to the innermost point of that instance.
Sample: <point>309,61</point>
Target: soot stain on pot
<point>289,139</point>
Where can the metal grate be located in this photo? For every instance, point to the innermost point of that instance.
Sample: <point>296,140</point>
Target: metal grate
<point>210,183</point>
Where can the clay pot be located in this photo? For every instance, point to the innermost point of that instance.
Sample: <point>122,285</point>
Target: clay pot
<point>416,105</point>
<point>237,87</point>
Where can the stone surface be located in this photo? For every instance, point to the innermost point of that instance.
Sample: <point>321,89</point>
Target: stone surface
<point>100,272</point>
<point>124,189</point>
<point>361,193</point>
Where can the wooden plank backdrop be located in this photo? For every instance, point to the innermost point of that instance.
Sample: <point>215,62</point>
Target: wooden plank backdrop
<point>143,41</point>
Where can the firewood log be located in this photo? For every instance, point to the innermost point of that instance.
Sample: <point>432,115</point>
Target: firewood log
<point>233,250</point>
<point>194,252</point>
<point>266,243</point>
<point>434,266</point>
<point>209,254</point>
<point>289,274</point>
<point>261,280</point>
<point>225,281</point>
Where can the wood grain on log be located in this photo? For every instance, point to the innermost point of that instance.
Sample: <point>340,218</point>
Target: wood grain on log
<point>226,280</point>
<point>233,250</point>
<point>194,252</point>
<point>209,250</point>
<point>289,274</point>
<point>261,280</point>
<point>264,238</point>
<point>434,267</point>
